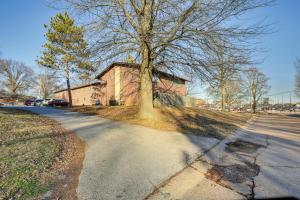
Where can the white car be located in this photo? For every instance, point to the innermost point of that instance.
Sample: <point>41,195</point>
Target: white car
<point>38,102</point>
<point>46,101</point>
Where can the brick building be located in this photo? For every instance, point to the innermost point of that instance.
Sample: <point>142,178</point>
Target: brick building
<point>119,84</point>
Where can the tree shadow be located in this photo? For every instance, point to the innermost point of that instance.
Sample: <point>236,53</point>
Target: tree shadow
<point>294,115</point>
<point>196,124</point>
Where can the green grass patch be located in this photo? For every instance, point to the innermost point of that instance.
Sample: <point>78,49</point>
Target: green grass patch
<point>29,147</point>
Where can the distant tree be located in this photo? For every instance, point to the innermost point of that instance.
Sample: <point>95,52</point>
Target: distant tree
<point>228,94</point>
<point>233,93</point>
<point>224,74</point>
<point>172,35</point>
<point>47,84</point>
<point>65,50</point>
<point>257,86</point>
<point>226,67</point>
<point>297,65</point>
<point>16,76</point>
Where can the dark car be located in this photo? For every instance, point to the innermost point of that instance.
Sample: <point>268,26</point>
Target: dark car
<point>29,102</point>
<point>58,102</point>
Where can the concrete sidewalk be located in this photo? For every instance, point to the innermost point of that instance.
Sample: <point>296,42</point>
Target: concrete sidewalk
<point>260,161</point>
<point>124,161</point>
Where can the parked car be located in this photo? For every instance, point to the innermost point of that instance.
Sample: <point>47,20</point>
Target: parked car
<point>29,102</point>
<point>46,101</point>
<point>38,102</point>
<point>57,102</point>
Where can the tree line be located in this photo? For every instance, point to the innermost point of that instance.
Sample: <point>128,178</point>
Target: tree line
<point>232,86</point>
<point>17,78</point>
<point>205,39</point>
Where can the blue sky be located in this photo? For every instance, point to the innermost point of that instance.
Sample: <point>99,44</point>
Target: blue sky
<point>22,36</point>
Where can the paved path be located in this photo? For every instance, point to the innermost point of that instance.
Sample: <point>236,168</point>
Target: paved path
<point>259,161</point>
<point>125,161</point>
<point>280,161</point>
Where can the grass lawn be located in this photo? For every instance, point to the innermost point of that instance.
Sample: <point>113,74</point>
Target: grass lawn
<point>37,156</point>
<point>186,120</point>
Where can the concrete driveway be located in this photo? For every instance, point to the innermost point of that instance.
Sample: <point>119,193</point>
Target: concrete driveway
<point>125,161</point>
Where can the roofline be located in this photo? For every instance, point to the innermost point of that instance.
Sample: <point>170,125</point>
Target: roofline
<point>170,75</point>
<point>124,64</point>
<point>78,87</point>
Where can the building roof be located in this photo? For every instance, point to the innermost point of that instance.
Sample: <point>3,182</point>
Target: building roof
<point>124,64</point>
<point>82,86</point>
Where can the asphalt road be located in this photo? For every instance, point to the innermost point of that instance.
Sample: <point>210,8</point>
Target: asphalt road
<point>125,161</point>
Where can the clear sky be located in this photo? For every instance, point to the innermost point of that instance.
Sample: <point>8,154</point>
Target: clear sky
<point>22,37</point>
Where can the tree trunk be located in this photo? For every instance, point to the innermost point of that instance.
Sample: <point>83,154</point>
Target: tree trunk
<point>254,104</point>
<point>69,93</point>
<point>146,91</point>
<point>222,97</point>
<point>254,107</point>
<point>222,87</point>
<point>68,85</point>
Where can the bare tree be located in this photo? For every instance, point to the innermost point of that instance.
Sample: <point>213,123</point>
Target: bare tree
<point>297,65</point>
<point>233,93</point>
<point>257,86</point>
<point>171,35</point>
<point>16,76</point>
<point>227,94</point>
<point>226,70</point>
<point>47,84</point>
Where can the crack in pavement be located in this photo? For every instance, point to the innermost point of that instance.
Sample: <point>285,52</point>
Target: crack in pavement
<point>242,176</point>
<point>252,187</point>
<point>224,178</point>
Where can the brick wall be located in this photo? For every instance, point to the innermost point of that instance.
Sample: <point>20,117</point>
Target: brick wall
<point>170,85</point>
<point>127,91</point>
<point>130,85</point>
<point>82,96</point>
<point>109,89</point>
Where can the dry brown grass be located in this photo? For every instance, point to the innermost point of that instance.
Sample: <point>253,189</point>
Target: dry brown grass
<point>186,120</point>
<point>37,155</point>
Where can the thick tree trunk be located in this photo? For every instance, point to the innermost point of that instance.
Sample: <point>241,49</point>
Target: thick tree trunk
<point>68,85</point>
<point>146,90</point>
